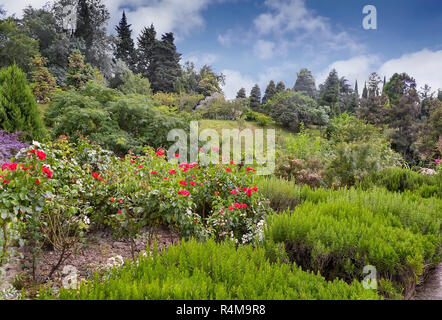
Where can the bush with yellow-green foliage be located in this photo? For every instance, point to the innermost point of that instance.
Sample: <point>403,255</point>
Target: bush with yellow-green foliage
<point>211,271</point>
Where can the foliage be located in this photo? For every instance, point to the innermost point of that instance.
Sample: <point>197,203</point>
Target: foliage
<point>338,238</point>
<point>178,101</point>
<point>78,73</point>
<point>134,84</point>
<point>16,47</point>
<point>125,47</point>
<point>18,108</point>
<point>117,122</point>
<point>329,93</point>
<point>306,144</point>
<point>211,271</point>
<point>218,108</point>
<point>255,98</point>
<point>43,82</point>
<point>305,84</point>
<point>260,118</point>
<point>292,108</point>
<point>308,171</point>
<point>269,93</point>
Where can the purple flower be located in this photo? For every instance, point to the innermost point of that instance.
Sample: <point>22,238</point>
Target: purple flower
<point>10,145</point>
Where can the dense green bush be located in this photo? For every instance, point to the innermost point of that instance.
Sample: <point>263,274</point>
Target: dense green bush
<point>201,271</point>
<point>340,232</point>
<point>260,118</point>
<point>18,107</point>
<point>115,121</point>
<point>400,180</point>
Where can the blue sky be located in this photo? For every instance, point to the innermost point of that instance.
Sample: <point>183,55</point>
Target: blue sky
<point>254,41</point>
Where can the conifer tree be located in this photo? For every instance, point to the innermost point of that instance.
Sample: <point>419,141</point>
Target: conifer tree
<point>330,93</point>
<point>305,83</point>
<point>18,108</point>
<point>270,92</point>
<point>79,72</point>
<point>43,82</point>
<point>255,98</point>
<point>241,94</point>
<point>365,92</point>
<point>146,44</point>
<point>164,68</point>
<point>125,48</point>
<point>280,87</point>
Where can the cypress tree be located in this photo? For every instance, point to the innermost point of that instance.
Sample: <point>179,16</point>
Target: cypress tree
<point>356,88</point>
<point>18,108</point>
<point>255,98</point>
<point>241,94</point>
<point>125,49</point>
<point>365,92</point>
<point>270,92</point>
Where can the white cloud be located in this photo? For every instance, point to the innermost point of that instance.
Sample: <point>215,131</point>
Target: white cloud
<point>425,66</point>
<point>264,49</point>
<point>200,59</point>
<point>16,6</point>
<point>357,68</point>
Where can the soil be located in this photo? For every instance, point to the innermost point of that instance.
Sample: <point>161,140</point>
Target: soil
<point>88,257</point>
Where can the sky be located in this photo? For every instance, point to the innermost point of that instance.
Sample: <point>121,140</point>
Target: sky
<point>255,41</point>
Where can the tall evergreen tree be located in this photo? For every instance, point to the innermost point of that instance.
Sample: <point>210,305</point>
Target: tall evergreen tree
<point>125,48</point>
<point>270,92</point>
<point>330,93</point>
<point>43,82</point>
<point>18,108</point>
<point>365,91</point>
<point>305,83</point>
<point>255,98</point>
<point>241,94</point>
<point>79,72</point>
<point>146,44</point>
<point>356,88</point>
<point>165,69</point>
<point>280,86</point>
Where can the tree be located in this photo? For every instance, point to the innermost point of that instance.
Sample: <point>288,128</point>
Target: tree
<point>241,94</point>
<point>146,44</point>
<point>18,108</point>
<point>348,99</point>
<point>426,96</point>
<point>79,73</point>
<point>280,86</point>
<point>270,92</point>
<point>306,83</point>
<point>403,113</point>
<point>209,82</point>
<point>372,103</point>
<point>164,69</point>
<point>43,82</point>
<point>255,98</point>
<point>429,142</point>
<point>330,93</point>
<point>290,108</point>
<point>125,47</point>
<point>439,95</point>
<point>16,46</point>
<point>135,84</point>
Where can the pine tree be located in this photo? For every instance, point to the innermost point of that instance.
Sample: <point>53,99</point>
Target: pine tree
<point>165,69</point>
<point>146,44</point>
<point>305,83</point>
<point>78,73</point>
<point>18,108</point>
<point>43,82</point>
<point>330,94</point>
<point>280,86</point>
<point>125,48</point>
<point>255,98</point>
<point>270,92</point>
<point>241,94</point>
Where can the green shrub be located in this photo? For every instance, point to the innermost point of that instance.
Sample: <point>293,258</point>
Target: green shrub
<point>400,180</point>
<point>210,271</point>
<point>260,118</point>
<point>18,108</point>
<point>338,238</point>
<point>116,122</point>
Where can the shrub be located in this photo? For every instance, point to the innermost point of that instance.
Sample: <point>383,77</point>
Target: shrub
<point>178,101</point>
<point>260,118</point>
<point>400,180</point>
<point>43,82</point>
<point>18,108</point>
<point>306,145</point>
<point>116,122</point>
<point>134,84</point>
<point>210,271</point>
<point>339,238</point>
<point>307,171</point>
